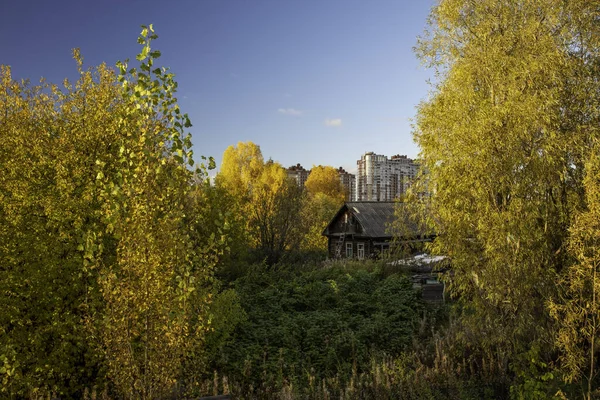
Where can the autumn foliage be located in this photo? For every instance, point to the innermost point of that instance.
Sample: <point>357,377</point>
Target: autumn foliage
<point>126,273</point>
<point>509,139</point>
<point>100,280</point>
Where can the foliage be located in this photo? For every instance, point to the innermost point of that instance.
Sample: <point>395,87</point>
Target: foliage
<point>274,213</point>
<point>212,211</point>
<point>317,323</point>
<point>264,198</point>
<point>325,195</point>
<point>409,226</point>
<point>326,180</point>
<point>225,314</point>
<point>241,167</point>
<point>317,211</point>
<point>504,138</point>
<point>100,281</point>
<point>51,143</point>
<point>535,378</point>
<point>578,309</point>
<point>152,290</point>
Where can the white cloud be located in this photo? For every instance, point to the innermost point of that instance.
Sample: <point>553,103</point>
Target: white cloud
<point>290,111</point>
<point>333,122</point>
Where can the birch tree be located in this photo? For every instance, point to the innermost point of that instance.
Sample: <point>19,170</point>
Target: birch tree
<point>504,136</point>
<point>153,290</point>
<point>265,199</point>
<point>100,281</point>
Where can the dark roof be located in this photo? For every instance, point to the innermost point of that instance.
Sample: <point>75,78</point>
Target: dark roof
<point>373,216</point>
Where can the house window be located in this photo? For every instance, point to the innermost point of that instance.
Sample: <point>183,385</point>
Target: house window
<point>349,250</point>
<point>360,250</point>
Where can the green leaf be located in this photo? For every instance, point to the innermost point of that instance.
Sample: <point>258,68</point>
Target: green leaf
<point>144,54</point>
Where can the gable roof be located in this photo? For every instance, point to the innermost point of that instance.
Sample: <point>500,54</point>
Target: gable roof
<point>373,216</point>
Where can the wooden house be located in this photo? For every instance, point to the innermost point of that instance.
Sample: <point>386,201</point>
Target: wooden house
<point>361,230</point>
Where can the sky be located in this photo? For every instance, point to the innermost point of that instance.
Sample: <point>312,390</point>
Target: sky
<point>315,82</point>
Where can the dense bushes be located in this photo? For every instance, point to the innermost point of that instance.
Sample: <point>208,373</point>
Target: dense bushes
<point>105,276</point>
<point>316,323</point>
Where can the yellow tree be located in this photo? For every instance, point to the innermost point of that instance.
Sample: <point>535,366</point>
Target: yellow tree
<point>577,310</point>
<point>275,212</point>
<point>52,141</point>
<point>241,167</point>
<point>100,277</point>
<point>265,200</point>
<point>504,137</point>
<point>153,289</point>
<point>317,210</point>
<point>326,180</point>
<point>325,195</point>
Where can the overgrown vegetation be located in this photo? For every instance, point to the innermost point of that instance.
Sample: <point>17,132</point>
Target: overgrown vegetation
<point>126,274</point>
<point>508,139</point>
<point>316,324</point>
<point>104,277</point>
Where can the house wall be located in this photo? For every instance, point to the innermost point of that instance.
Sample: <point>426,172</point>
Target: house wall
<point>331,243</point>
<point>370,247</point>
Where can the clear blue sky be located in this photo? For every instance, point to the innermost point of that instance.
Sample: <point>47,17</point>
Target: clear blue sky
<point>310,81</point>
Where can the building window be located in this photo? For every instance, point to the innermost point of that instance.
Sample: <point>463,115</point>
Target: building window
<point>348,250</point>
<point>360,250</point>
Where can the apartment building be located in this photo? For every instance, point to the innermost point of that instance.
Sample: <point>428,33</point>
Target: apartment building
<point>380,178</point>
<point>298,173</point>
<point>349,183</point>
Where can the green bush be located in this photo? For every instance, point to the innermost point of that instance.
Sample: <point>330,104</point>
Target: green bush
<point>316,323</point>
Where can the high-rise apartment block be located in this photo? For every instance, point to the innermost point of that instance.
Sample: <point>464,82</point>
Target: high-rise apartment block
<point>349,183</point>
<point>380,178</point>
<point>298,173</point>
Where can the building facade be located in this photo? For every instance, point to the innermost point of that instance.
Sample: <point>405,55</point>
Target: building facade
<point>298,174</point>
<point>349,183</point>
<point>380,178</point>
